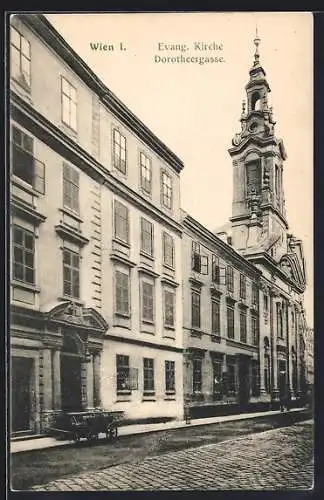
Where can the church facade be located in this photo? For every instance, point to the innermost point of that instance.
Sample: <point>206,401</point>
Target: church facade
<point>244,320</point>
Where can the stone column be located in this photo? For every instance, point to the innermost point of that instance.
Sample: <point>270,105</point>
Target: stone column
<point>56,355</point>
<point>47,380</point>
<point>90,383</point>
<point>289,345</point>
<point>298,367</point>
<point>96,379</point>
<point>84,395</point>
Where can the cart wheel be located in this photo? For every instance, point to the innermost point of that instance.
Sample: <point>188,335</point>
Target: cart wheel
<point>113,433</point>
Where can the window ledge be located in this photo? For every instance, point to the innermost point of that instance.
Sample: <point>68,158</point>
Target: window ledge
<point>170,398</point>
<point>69,128</point>
<point>26,286</point>
<point>148,322</point>
<point>24,185</point>
<point>169,282</point>
<point>68,233</point>
<point>169,327</point>
<point>122,315</point>
<point>147,255</point>
<point>27,212</point>
<point>22,84</point>
<point>71,213</point>
<point>150,272</point>
<point>168,266</point>
<point>121,242</point>
<point>122,259</point>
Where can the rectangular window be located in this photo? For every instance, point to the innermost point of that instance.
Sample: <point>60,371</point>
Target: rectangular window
<point>122,370</point>
<point>146,173</point>
<point>71,273</point>
<point>215,317</point>
<point>122,293</point>
<point>243,337</point>
<point>195,310</point>
<point>148,372</point>
<point>196,375</point>
<point>168,250</point>
<point>119,151</point>
<point>24,165</point>
<point>230,322</point>
<point>255,329</point>
<point>69,103</point>
<point>70,188</point>
<point>199,263</point>
<point>146,237</point>
<point>230,278</point>
<point>255,295</point>
<point>147,301</point>
<point>20,58</point>
<point>242,286</point>
<point>231,378</point>
<point>23,255</point>
<point>166,190</point>
<point>170,377</point>
<point>169,300</point>
<point>253,177</point>
<point>121,222</point>
<point>215,269</point>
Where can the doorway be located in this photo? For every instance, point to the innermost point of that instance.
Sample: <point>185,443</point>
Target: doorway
<point>244,381</point>
<point>71,380</point>
<point>21,394</point>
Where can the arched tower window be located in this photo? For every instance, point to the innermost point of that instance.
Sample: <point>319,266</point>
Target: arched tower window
<point>253,177</point>
<point>256,101</point>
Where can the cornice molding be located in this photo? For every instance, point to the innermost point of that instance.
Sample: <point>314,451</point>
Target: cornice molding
<point>26,212</point>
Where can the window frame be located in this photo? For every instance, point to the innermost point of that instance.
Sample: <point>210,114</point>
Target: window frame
<point>173,295</point>
<point>125,366</point>
<point>243,326</point>
<point>21,78</point>
<point>242,286</point>
<point>195,325</point>
<point>255,330</point>
<point>120,296</point>
<point>119,151</point>
<point>230,279</point>
<point>148,376</point>
<point>169,194</point>
<point>145,180</point>
<point>144,299</point>
<point>25,251</point>
<point>215,317</point>
<point>73,186</point>
<point>230,321</point>
<point>166,239</point>
<point>71,269</point>
<point>197,370</point>
<point>170,385</point>
<point>118,205</point>
<point>71,103</point>
<point>149,252</point>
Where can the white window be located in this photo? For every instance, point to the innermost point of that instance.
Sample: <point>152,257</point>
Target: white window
<point>68,103</point>
<point>20,58</point>
<point>119,151</point>
<point>70,187</point>
<point>71,273</point>
<point>121,222</point>
<point>168,250</point>
<point>169,308</point>
<point>146,236</point>
<point>166,190</point>
<point>147,301</point>
<point>23,255</point>
<point>146,173</point>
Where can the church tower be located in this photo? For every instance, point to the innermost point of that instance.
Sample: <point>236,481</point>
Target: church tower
<point>258,219</point>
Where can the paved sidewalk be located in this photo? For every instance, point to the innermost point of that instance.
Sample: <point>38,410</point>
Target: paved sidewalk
<point>127,430</point>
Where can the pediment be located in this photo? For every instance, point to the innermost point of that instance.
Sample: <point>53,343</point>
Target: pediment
<point>291,266</point>
<point>72,314</point>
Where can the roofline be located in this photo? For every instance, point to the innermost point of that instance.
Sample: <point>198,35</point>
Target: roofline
<point>46,31</point>
<point>194,225</point>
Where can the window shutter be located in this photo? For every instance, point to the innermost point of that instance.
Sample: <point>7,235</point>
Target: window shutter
<point>39,177</point>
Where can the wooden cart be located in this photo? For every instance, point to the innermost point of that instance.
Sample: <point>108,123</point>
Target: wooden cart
<point>87,424</point>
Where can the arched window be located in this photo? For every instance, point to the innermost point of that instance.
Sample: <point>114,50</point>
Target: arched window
<point>256,101</point>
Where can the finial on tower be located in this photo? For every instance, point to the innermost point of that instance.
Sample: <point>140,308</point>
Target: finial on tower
<point>256,43</point>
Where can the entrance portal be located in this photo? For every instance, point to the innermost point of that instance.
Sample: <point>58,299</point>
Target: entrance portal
<point>70,376</point>
<point>21,394</point>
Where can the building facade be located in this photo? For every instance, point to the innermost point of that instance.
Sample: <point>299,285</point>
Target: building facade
<point>95,244</point>
<point>119,299</point>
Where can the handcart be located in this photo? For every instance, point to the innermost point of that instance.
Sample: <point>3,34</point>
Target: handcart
<point>87,424</point>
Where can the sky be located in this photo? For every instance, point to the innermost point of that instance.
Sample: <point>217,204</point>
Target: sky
<point>195,108</point>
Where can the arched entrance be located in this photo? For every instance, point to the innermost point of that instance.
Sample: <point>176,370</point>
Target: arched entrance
<point>71,365</point>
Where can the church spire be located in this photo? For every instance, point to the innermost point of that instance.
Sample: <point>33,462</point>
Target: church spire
<point>257,41</point>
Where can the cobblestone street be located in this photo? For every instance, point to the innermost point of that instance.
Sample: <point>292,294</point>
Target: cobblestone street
<point>270,460</point>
